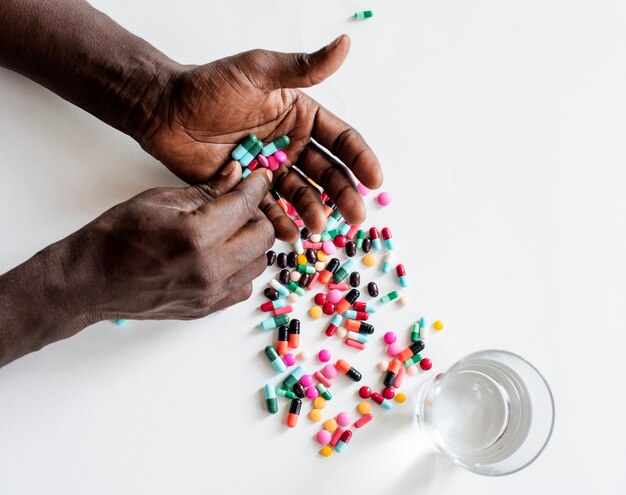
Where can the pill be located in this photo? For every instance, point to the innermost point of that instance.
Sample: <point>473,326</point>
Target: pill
<point>319,403</point>
<point>389,392</point>
<point>331,268</point>
<point>326,451</point>
<point>310,256</point>
<point>299,390</point>
<point>294,333</point>
<point>384,199</point>
<point>281,260</point>
<point>275,322</point>
<point>285,276</point>
<point>375,237</point>
<point>334,296</point>
<point>343,441</point>
<point>365,14</point>
<point>329,371</point>
<point>294,276</point>
<point>364,407</point>
<point>412,350</point>
<point>363,420</point>
<point>283,311</point>
<point>301,260</point>
<point>242,148</point>
<point>350,249</point>
<point>347,301</point>
<point>322,379</point>
<point>369,260</point>
<point>323,391</point>
<point>275,145</point>
<point>330,425</point>
<point>315,238</point>
<point>356,315</point>
<point>426,364</point>
<point>438,325</point>
<point>251,153</point>
<point>343,271</point>
<point>271,257</point>
<point>282,344</point>
<point>403,301</point>
<point>322,256</point>
<point>348,370</point>
<point>388,297</point>
<point>293,377</point>
<point>341,286</point>
<point>388,239</point>
<point>320,266</point>
<point>401,273</point>
<point>390,337</point>
<point>306,380</point>
<point>334,439</point>
<point>333,326</point>
<point>341,332</point>
<point>352,233</point>
<point>289,359</point>
<point>355,279</point>
<point>381,401</point>
<point>382,366</point>
<point>281,289</point>
<point>270,399</point>
<point>394,349</point>
<point>362,189</point>
<point>372,289</point>
<point>303,355</point>
<point>320,298</point>
<point>365,392</point>
<point>292,259</point>
<point>361,306</point>
<point>294,412</point>
<point>285,393</point>
<point>360,236</point>
<point>392,371</point>
<point>388,262</point>
<point>315,312</point>
<point>328,308</point>
<point>340,241</point>
<point>294,287</point>
<point>271,294</point>
<point>411,370</point>
<point>343,418</point>
<point>400,398</point>
<point>313,281</point>
<point>312,392</point>
<point>354,344</point>
<point>293,297</point>
<point>397,383</point>
<point>414,360</point>
<point>323,437</point>
<point>367,245</point>
<point>329,247</point>
<point>359,326</point>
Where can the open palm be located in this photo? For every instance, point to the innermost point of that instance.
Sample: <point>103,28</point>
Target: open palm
<point>208,109</point>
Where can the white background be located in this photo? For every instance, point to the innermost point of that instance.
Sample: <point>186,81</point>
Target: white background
<point>501,128</point>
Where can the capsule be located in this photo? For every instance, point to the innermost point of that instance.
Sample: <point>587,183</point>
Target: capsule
<point>356,315</point>
<point>392,372</point>
<point>329,271</point>
<point>341,286</point>
<point>367,245</point>
<point>347,301</point>
<point>360,237</point>
<point>284,276</point>
<point>334,439</point>
<point>271,257</point>
<point>388,297</point>
<point>272,305</point>
<point>288,394</point>
<point>283,340</point>
<point>270,399</point>
<point>298,247</point>
<point>304,280</point>
<point>422,327</point>
<point>359,337</point>
<point>278,287</point>
<point>361,306</point>
<point>294,412</point>
<point>352,232</point>
<point>283,311</point>
<point>344,229</point>
<point>381,401</point>
<point>343,271</point>
<point>354,344</point>
<point>363,420</point>
<point>322,379</point>
<point>299,390</point>
<point>388,261</point>
<point>401,273</point>
<point>397,383</point>
<point>365,14</point>
<point>415,332</point>
<point>275,322</point>
<point>313,281</point>
<point>311,257</point>
<point>359,326</point>
<point>334,220</point>
<point>292,259</point>
<point>375,237</point>
<point>348,370</point>
<point>414,360</point>
<point>274,146</point>
<point>271,294</point>
<point>388,239</point>
<point>277,363</point>
<point>321,388</point>
<point>412,350</point>
<point>294,333</point>
<point>372,289</point>
<point>251,153</point>
<point>355,279</point>
<point>294,287</point>
<point>293,377</point>
<point>333,325</point>
<point>281,260</point>
<point>243,147</point>
<point>343,441</point>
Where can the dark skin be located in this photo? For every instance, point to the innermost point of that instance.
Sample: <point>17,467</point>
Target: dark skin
<point>151,257</point>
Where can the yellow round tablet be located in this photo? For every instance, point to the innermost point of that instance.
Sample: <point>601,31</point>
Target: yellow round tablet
<point>369,259</point>
<point>315,415</point>
<point>315,312</point>
<point>322,255</point>
<point>330,425</point>
<point>364,407</point>
<point>319,403</point>
<point>302,259</point>
<point>438,325</point>
<point>326,451</point>
<point>401,397</point>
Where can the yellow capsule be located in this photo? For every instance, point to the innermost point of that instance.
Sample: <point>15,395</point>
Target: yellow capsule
<point>364,407</point>
<point>438,325</point>
<point>319,403</point>
<point>369,260</point>
<point>330,425</point>
<point>315,415</point>
<point>401,397</point>
<point>302,259</point>
<point>315,312</point>
<point>322,255</point>
<point>326,451</point>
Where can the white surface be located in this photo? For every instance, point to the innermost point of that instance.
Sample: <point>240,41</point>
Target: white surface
<point>508,118</point>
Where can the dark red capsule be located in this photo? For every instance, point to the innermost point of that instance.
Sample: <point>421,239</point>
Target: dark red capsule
<point>281,260</point>
<point>305,234</point>
<point>351,248</point>
<point>355,279</point>
<point>271,294</point>
<point>372,289</point>
<point>292,259</point>
<point>299,390</point>
<point>284,276</point>
<point>311,257</point>
<point>271,257</point>
<point>367,245</point>
<point>304,280</point>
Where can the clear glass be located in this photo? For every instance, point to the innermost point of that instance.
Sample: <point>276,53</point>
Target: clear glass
<point>492,412</point>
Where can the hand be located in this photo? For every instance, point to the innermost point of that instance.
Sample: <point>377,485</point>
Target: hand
<point>207,110</point>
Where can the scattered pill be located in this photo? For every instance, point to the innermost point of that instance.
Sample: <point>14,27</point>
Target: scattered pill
<point>271,294</point>
<point>329,247</point>
<point>348,370</point>
<point>384,199</point>
<point>343,418</point>
<point>320,298</point>
<point>365,14</point>
<point>329,371</point>
<point>382,366</point>
<point>369,260</point>
<point>294,412</point>
<point>394,349</point>
<point>315,312</point>
<point>330,425</point>
<point>303,355</point>
<point>270,399</point>
<point>390,337</point>
<point>411,370</point>
<point>312,393</point>
<point>306,380</point>
<point>293,298</point>
<point>389,393</point>
<point>289,359</point>
<point>364,407</point>
<point>343,441</point>
<point>438,325</point>
<point>400,397</point>
<point>365,392</point>
<point>426,364</point>
<point>341,332</point>
<point>326,451</point>
<point>328,308</point>
<point>403,301</point>
<point>319,403</point>
<point>363,420</point>
<point>324,355</point>
<point>334,296</point>
<point>323,437</point>
<point>372,289</point>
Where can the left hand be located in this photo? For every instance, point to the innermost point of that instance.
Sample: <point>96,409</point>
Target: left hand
<point>206,110</point>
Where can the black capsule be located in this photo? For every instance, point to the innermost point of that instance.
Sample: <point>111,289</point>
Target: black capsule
<point>366,328</point>
<point>350,248</point>
<point>311,257</point>
<point>355,279</point>
<point>283,333</point>
<point>305,234</point>
<point>390,377</point>
<point>271,294</point>
<point>292,259</point>
<point>333,265</point>
<point>299,390</point>
<point>304,280</point>
<point>354,375</point>
<point>372,289</point>
<point>281,260</point>
<point>294,326</point>
<point>284,276</point>
<point>352,296</point>
<point>417,347</point>
<point>271,257</point>
<point>367,245</point>
<point>294,407</point>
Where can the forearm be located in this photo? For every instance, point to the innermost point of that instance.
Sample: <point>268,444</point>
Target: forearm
<point>38,301</point>
<point>82,55</point>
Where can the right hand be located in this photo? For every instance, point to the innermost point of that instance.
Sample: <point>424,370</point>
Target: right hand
<point>177,253</point>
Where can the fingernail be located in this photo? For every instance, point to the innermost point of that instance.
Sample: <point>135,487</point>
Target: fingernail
<point>269,173</point>
<point>228,169</point>
<point>336,42</point>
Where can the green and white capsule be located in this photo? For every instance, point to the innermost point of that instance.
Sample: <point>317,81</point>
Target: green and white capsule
<point>277,362</point>
<point>306,269</point>
<point>275,322</point>
<point>251,154</point>
<point>294,287</point>
<point>344,271</point>
<point>270,399</point>
<point>293,377</point>
<point>388,297</point>
<point>415,332</point>
<point>274,146</point>
<point>360,237</point>
<point>243,147</point>
<point>286,393</point>
<point>414,360</point>
<point>324,392</point>
<point>333,221</point>
<point>364,14</point>
<point>325,236</point>
<point>388,262</point>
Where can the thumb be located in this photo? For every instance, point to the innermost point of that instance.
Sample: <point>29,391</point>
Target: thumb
<point>302,70</point>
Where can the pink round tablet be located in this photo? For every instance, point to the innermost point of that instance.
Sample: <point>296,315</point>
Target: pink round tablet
<point>312,393</point>
<point>394,349</point>
<point>362,189</point>
<point>323,437</point>
<point>324,355</point>
<point>329,247</point>
<point>263,161</point>
<point>272,163</point>
<point>329,371</point>
<point>334,296</point>
<point>343,419</point>
<point>289,359</point>
<point>281,156</point>
<point>306,380</point>
<point>384,199</point>
<point>390,338</point>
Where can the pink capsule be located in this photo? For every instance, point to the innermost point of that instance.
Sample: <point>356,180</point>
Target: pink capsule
<point>313,281</point>
<point>311,245</point>
<point>363,420</point>
<point>283,311</point>
<point>334,440</point>
<point>322,379</point>
<point>399,377</point>
<point>338,286</point>
<point>352,232</point>
<point>355,344</point>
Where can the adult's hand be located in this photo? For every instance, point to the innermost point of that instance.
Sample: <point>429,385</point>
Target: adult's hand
<point>168,253</point>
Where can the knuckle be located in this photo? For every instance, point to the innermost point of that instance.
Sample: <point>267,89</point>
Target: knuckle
<point>267,233</point>
<point>246,203</point>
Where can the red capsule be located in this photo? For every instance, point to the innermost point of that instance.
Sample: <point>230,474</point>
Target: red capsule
<point>352,232</point>
<point>334,440</point>
<point>355,344</point>
<point>361,315</point>
<point>400,271</point>
<point>376,397</point>
<point>374,233</point>
<point>386,234</point>
<point>345,436</point>
<point>363,420</point>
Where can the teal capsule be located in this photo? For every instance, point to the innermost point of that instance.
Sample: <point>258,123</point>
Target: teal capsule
<point>298,247</point>
<point>120,322</point>
<point>333,233</point>
<point>344,228</point>
<point>274,146</point>
<point>333,221</point>
<point>388,297</point>
<point>365,14</point>
<point>286,393</point>
<point>277,362</point>
<point>415,332</point>
<point>324,392</point>
<point>243,147</point>
<point>414,360</point>
<point>344,271</point>
<point>360,237</point>
<point>280,288</point>
<point>325,236</point>
<point>294,287</point>
<point>293,377</point>
<point>306,269</point>
<point>270,399</point>
<point>274,322</point>
<point>251,154</point>
<point>388,262</point>
<point>245,173</point>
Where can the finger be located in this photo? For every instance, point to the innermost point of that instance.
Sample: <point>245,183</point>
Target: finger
<point>333,176</point>
<point>348,145</point>
<point>300,70</point>
<point>305,198</point>
<point>239,286</point>
<point>284,227</point>
<point>236,297</point>
<point>221,183</point>
<point>235,208</point>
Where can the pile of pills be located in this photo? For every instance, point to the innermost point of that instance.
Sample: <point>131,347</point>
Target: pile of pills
<point>315,264</point>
